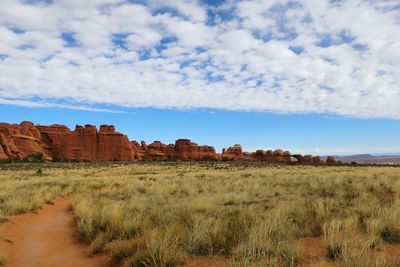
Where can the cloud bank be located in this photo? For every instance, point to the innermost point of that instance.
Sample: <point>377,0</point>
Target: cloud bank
<point>326,56</point>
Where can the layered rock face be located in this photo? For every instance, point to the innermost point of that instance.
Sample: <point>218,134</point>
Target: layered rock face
<point>17,141</point>
<point>183,149</point>
<point>273,156</point>
<point>105,144</point>
<point>84,143</point>
<point>233,152</point>
<point>236,153</point>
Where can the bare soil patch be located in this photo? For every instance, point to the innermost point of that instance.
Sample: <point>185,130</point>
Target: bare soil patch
<point>204,261</point>
<point>314,252</point>
<point>45,238</point>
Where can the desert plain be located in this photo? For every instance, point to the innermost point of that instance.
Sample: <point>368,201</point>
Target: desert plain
<point>168,214</point>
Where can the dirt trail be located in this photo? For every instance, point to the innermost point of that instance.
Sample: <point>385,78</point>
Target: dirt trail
<point>209,262</point>
<point>45,239</point>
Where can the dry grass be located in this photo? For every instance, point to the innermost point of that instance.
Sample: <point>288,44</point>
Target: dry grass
<point>158,214</point>
<point>2,260</point>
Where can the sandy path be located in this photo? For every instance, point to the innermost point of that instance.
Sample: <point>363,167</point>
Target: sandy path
<point>45,239</point>
<point>206,262</point>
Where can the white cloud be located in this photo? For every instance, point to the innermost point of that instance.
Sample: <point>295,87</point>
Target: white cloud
<point>189,34</point>
<point>188,8</point>
<point>279,56</point>
<point>39,104</point>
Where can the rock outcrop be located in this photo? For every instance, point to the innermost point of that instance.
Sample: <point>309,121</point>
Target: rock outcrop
<point>183,149</point>
<point>84,143</point>
<point>308,159</point>
<point>187,150</point>
<point>236,153</point>
<point>19,140</point>
<point>331,160</point>
<point>88,143</point>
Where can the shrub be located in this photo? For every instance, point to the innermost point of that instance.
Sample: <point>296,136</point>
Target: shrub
<point>6,160</point>
<point>99,243</point>
<point>288,253</point>
<point>57,158</point>
<point>38,157</point>
<point>357,255</point>
<point>198,241</point>
<point>390,235</point>
<point>338,234</point>
<point>334,252</point>
<point>121,249</point>
<point>34,158</point>
<point>270,239</point>
<point>163,246</point>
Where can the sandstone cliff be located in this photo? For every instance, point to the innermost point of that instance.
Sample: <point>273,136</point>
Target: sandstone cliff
<point>84,143</point>
<point>88,143</point>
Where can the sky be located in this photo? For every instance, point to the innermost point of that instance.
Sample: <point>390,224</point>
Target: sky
<point>319,77</point>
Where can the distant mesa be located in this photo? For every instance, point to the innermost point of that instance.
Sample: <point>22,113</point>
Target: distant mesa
<point>86,143</point>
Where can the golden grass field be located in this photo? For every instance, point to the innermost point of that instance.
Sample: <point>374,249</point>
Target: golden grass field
<point>164,214</point>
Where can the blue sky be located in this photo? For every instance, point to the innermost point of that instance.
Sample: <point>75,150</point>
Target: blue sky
<point>318,77</point>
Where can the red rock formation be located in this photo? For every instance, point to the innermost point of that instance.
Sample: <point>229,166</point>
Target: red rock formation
<point>19,140</point>
<point>113,146</point>
<point>3,154</point>
<point>233,152</point>
<point>207,152</point>
<point>170,151</point>
<point>236,153</point>
<point>280,156</point>
<point>138,152</point>
<point>308,159</point>
<point>86,143</point>
<point>156,151</point>
<point>143,145</point>
<point>330,160</point>
<point>317,160</point>
<point>184,149</point>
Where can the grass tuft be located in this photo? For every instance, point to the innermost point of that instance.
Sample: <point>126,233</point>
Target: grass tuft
<point>2,260</point>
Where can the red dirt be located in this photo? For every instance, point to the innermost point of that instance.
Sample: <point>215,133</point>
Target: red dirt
<point>314,252</point>
<point>45,239</point>
<point>387,250</point>
<point>206,262</point>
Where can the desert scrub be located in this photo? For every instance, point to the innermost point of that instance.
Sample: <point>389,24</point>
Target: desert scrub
<point>2,260</point>
<point>389,218</point>
<point>159,247</point>
<point>356,254</point>
<point>163,246</point>
<point>160,213</point>
<point>338,234</point>
<point>270,239</point>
